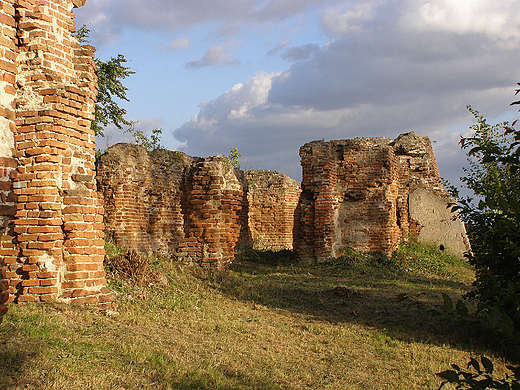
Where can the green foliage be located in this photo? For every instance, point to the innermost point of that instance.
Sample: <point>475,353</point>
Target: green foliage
<point>480,377</point>
<point>82,34</point>
<point>110,75</point>
<point>110,86</point>
<point>493,221</point>
<point>234,157</point>
<point>152,142</point>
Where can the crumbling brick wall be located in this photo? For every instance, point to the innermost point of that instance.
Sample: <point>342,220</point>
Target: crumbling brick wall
<point>143,195</point>
<point>51,214</point>
<point>272,202</point>
<point>213,202</point>
<point>167,203</point>
<point>356,194</point>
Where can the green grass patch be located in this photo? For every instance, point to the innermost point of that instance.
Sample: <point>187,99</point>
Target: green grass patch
<point>360,322</point>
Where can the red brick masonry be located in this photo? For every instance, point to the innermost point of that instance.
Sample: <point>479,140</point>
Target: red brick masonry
<point>51,215</point>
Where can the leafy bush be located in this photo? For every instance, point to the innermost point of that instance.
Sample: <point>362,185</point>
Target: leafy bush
<point>481,377</point>
<point>492,220</point>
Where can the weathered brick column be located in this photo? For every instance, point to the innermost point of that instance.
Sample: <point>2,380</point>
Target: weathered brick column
<point>213,202</point>
<point>8,162</point>
<point>53,244</point>
<point>318,202</point>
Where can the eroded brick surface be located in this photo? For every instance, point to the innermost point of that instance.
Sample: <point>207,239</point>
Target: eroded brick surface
<point>51,226</point>
<point>169,204</point>
<point>356,194</point>
<point>166,203</point>
<point>272,202</point>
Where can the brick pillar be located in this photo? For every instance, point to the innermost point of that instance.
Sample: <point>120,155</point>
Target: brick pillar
<point>318,202</point>
<point>54,249</point>
<point>8,163</point>
<point>213,202</point>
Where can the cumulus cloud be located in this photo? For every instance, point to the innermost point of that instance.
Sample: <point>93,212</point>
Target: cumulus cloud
<point>349,18</point>
<point>215,56</point>
<point>300,53</point>
<point>499,20</point>
<point>214,124</point>
<point>385,81</point>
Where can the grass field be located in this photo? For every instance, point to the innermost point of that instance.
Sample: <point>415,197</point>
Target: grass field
<point>358,322</point>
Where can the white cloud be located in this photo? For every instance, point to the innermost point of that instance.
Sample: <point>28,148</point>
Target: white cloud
<point>179,43</point>
<point>215,56</point>
<point>385,81</point>
<point>209,126</point>
<point>497,19</point>
<point>350,17</point>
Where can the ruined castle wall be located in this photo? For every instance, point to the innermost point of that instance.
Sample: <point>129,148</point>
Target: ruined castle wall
<point>166,203</point>
<point>348,198</point>
<point>272,201</point>
<point>200,209</point>
<point>369,194</point>
<point>52,245</point>
<point>213,204</point>
<point>143,198</point>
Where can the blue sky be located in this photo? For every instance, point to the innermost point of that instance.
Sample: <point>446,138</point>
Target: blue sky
<point>268,76</point>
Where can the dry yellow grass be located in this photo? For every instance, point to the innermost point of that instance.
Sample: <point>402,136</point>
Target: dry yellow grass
<point>255,327</point>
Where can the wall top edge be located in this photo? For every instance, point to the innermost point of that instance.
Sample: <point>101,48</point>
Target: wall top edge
<point>78,3</point>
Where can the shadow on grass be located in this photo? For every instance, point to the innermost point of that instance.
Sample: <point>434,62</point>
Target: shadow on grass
<point>196,381</point>
<point>396,302</point>
<point>11,364</point>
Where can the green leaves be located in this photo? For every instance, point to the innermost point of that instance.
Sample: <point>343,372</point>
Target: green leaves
<point>480,376</point>
<point>492,220</point>
<point>110,75</point>
<point>110,86</point>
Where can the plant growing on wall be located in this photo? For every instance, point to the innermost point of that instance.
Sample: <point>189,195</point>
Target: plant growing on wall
<point>110,75</point>
<point>234,157</point>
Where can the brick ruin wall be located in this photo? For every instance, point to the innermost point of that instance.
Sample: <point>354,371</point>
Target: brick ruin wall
<point>166,203</point>
<point>367,194</point>
<point>370,194</point>
<point>51,215</point>
<point>272,201</point>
